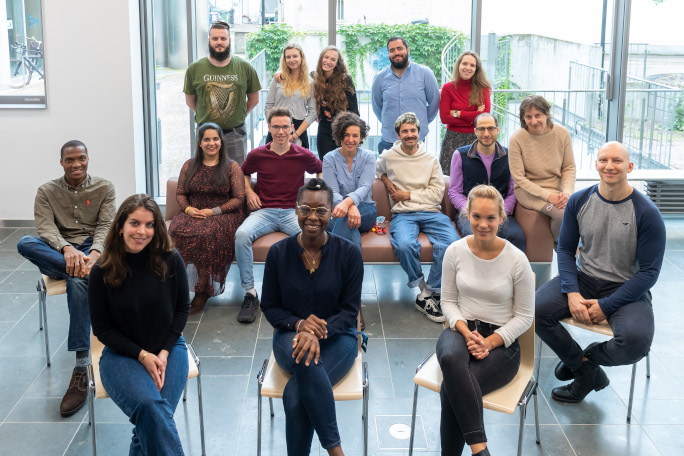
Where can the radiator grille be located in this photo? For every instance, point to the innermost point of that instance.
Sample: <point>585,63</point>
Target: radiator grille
<point>667,196</point>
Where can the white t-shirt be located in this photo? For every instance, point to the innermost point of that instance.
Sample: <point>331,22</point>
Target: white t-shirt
<point>499,291</point>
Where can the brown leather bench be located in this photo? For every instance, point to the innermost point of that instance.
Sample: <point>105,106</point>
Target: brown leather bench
<point>378,249</point>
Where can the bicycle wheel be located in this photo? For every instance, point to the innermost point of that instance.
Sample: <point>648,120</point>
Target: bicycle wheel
<point>21,76</point>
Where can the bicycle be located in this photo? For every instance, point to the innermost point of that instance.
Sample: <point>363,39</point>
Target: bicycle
<point>28,56</point>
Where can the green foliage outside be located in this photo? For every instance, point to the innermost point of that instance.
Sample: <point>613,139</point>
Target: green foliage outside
<point>273,38</point>
<point>426,43</point>
<point>679,114</point>
<point>361,43</point>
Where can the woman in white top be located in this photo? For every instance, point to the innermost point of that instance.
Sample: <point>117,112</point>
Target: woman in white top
<point>292,88</point>
<point>488,300</point>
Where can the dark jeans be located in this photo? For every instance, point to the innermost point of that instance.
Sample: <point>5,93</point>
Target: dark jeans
<point>308,398</point>
<point>324,140</point>
<point>340,226</point>
<point>304,137</point>
<point>632,324</point>
<point>52,264</point>
<point>510,230</point>
<point>466,380</point>
<point>151,411</point>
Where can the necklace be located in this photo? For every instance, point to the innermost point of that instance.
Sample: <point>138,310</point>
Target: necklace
<point>311,261</point>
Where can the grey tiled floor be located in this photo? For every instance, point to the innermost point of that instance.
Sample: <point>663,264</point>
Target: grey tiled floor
<point>232,354</point>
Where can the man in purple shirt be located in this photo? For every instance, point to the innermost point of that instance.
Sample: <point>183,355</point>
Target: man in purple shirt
<point>484,162</point>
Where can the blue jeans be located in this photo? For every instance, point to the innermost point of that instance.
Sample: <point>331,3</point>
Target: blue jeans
<point>404,231</point>
<point>384,145</point>
<point>340,226</point>
<point>260,223</point>
<point>52,264</point>
<point>308,397</point>
<point>510,230</point>
<point>632,324</point>
<point>466,380</point>
<point>151,411</point>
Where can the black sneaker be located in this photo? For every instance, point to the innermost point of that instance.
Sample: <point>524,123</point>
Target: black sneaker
<point>431,308</point>
<point>248,310</point>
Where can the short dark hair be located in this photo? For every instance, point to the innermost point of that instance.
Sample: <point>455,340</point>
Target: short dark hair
<point>485,115</point>
<point>395,38</point>
<point>278,111</point>
<point>70,144</point>
<point>345,120</point>
<point>315,185</point>
<point>220,25</point>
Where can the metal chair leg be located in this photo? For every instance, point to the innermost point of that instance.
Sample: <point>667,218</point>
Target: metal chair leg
<point>270,404</point>
<point>91,407</point>
<point>201,409</point>
<point>42,316</point>
<point>523,412</point>
<point>185,392</point>
<point>366,392</point>
<point>259,420</point>
<point>46,334</point>
<point>40,299</point>
<point>536,413</point>
<point>648,365</point>
<point>631,393</point>
<point>413,419</point>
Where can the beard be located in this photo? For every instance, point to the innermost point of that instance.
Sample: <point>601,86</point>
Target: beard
<point>220,56</point>
<point>400,64</point>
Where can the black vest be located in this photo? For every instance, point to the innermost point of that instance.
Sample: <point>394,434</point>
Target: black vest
<point>475,172</point>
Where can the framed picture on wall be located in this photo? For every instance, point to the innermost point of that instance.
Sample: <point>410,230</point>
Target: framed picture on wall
<point>22,56</point>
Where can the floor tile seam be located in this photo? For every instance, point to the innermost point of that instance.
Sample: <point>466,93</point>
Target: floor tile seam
<point>244,400</point>
<point>677,267</point>
<point>43,422</point>
<point>18,293</point>
<point>19,320</point>
<point>73,437</point>
<point>384,339</point>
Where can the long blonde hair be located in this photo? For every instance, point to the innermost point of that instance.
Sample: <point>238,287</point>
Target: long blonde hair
<point>478,81</point>
<point>290,83</point>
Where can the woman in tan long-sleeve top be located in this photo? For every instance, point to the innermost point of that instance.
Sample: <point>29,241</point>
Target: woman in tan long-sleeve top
<point>542,162</point>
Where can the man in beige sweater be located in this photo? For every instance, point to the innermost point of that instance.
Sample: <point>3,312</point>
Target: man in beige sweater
<point>413,178</point>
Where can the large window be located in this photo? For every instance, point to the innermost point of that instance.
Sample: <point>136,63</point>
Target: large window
<point>567,61</point>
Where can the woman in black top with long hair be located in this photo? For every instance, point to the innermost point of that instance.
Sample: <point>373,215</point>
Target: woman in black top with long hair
<point>139,301</point>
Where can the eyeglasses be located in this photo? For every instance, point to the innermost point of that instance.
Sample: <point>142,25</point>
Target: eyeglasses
<point>489,129</point>
<point>321,211</point>
<point>281,127</point>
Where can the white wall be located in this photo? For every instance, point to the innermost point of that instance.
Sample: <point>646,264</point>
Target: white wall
<point>94,94</point>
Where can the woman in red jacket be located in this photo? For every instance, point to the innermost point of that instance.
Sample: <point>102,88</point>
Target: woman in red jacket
<point>463,98</point>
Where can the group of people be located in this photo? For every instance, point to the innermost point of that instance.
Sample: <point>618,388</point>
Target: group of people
<point>131,279</point>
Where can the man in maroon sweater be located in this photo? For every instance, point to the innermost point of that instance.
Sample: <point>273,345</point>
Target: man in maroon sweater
<point>280,167</point>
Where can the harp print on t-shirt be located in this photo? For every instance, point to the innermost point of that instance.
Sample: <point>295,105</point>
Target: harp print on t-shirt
<point>221,99</point>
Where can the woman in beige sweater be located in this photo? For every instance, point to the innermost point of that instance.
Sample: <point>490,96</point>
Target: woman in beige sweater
<point>541,161</point>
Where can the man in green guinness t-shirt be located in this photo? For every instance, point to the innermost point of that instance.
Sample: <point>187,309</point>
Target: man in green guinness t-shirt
<point>223,89</point>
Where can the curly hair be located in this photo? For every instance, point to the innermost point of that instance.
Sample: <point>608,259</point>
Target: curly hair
<point>290,84</point>
<point>113,259</point>
<point>345,120</point>
<point>333,92</point>
<point>478,82</point>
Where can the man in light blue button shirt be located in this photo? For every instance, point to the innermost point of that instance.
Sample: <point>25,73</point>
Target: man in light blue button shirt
<point>404,86</point>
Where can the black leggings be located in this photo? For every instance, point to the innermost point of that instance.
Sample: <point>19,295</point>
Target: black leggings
<point>466,380</point>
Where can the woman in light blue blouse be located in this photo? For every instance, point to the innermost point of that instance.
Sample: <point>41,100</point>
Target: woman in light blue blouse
<point>350,170</point>
<point>292,88</point>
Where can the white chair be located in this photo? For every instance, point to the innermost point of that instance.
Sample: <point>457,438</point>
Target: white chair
<point>96,390</point>
<point>353,386</point>
<point>47,286</point>
<point>605,329</point>
<point>516,393</point>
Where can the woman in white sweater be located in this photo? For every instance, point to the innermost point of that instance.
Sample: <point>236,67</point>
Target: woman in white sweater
<point>488,300</point>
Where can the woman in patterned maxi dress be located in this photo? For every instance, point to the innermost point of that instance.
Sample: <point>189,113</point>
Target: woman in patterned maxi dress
<point>211,194</point>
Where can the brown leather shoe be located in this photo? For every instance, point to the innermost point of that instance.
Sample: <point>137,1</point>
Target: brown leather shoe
<point>76,394</point>
<point>198,303</point>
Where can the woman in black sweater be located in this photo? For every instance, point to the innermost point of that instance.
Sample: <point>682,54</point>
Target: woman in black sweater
<point>139,303</point>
